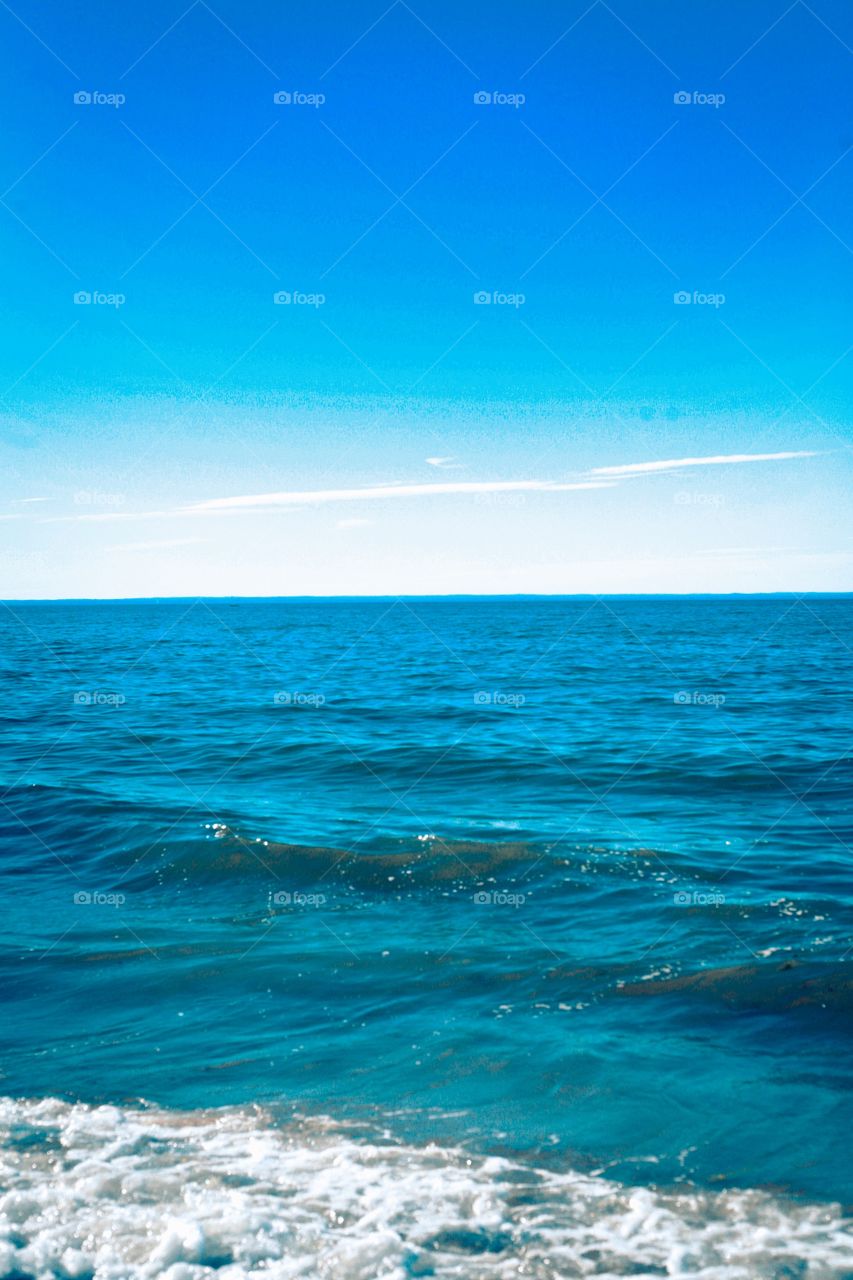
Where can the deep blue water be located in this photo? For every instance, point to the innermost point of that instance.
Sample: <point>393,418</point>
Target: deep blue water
<point>569,878</point>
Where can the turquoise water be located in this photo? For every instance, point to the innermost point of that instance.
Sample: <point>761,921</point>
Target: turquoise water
<point>566,882</point>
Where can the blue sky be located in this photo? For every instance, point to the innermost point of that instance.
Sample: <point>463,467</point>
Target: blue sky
<point>479,350</point>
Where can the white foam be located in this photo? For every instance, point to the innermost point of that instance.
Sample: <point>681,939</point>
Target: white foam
<point>119,1194</point>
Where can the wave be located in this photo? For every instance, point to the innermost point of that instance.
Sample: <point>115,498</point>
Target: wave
<point>426,856</point>
<point>136,1193</point>
<point>763,987</point>
<point>388,863</point>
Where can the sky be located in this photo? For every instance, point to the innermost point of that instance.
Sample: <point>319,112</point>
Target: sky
<point>425,298</point>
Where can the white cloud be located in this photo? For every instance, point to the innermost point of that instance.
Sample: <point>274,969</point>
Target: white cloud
<point>355,523</point>
<point>446,464</point>
<point>641,468</point>
<point>311,497</point>
<point>292,499</point>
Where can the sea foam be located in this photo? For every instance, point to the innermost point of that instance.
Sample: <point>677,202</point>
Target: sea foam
<point>110,1193</point>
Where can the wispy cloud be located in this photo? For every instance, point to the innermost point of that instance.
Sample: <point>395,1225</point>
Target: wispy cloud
<point>608,477</point>
<point>313,497</point>
<point>449,463</point>
<point>673,464</point>
<point>355,523</point>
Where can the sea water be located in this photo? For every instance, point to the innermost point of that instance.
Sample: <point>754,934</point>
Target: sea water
<point>402,937</point>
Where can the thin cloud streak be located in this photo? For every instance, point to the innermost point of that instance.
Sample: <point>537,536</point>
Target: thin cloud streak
<point>450,463</point>
<point>672,464</point>
<point>292,499</point>
<point>309,497</point>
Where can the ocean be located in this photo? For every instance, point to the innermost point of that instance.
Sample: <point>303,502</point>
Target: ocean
<point>454,938</point>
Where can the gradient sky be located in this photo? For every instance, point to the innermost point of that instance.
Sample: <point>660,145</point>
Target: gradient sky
<point>400,437</point>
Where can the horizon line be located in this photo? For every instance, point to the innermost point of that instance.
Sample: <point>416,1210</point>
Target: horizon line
<point>434,596</point>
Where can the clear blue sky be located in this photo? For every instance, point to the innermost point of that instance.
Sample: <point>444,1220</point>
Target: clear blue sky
<point>129,430</point>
